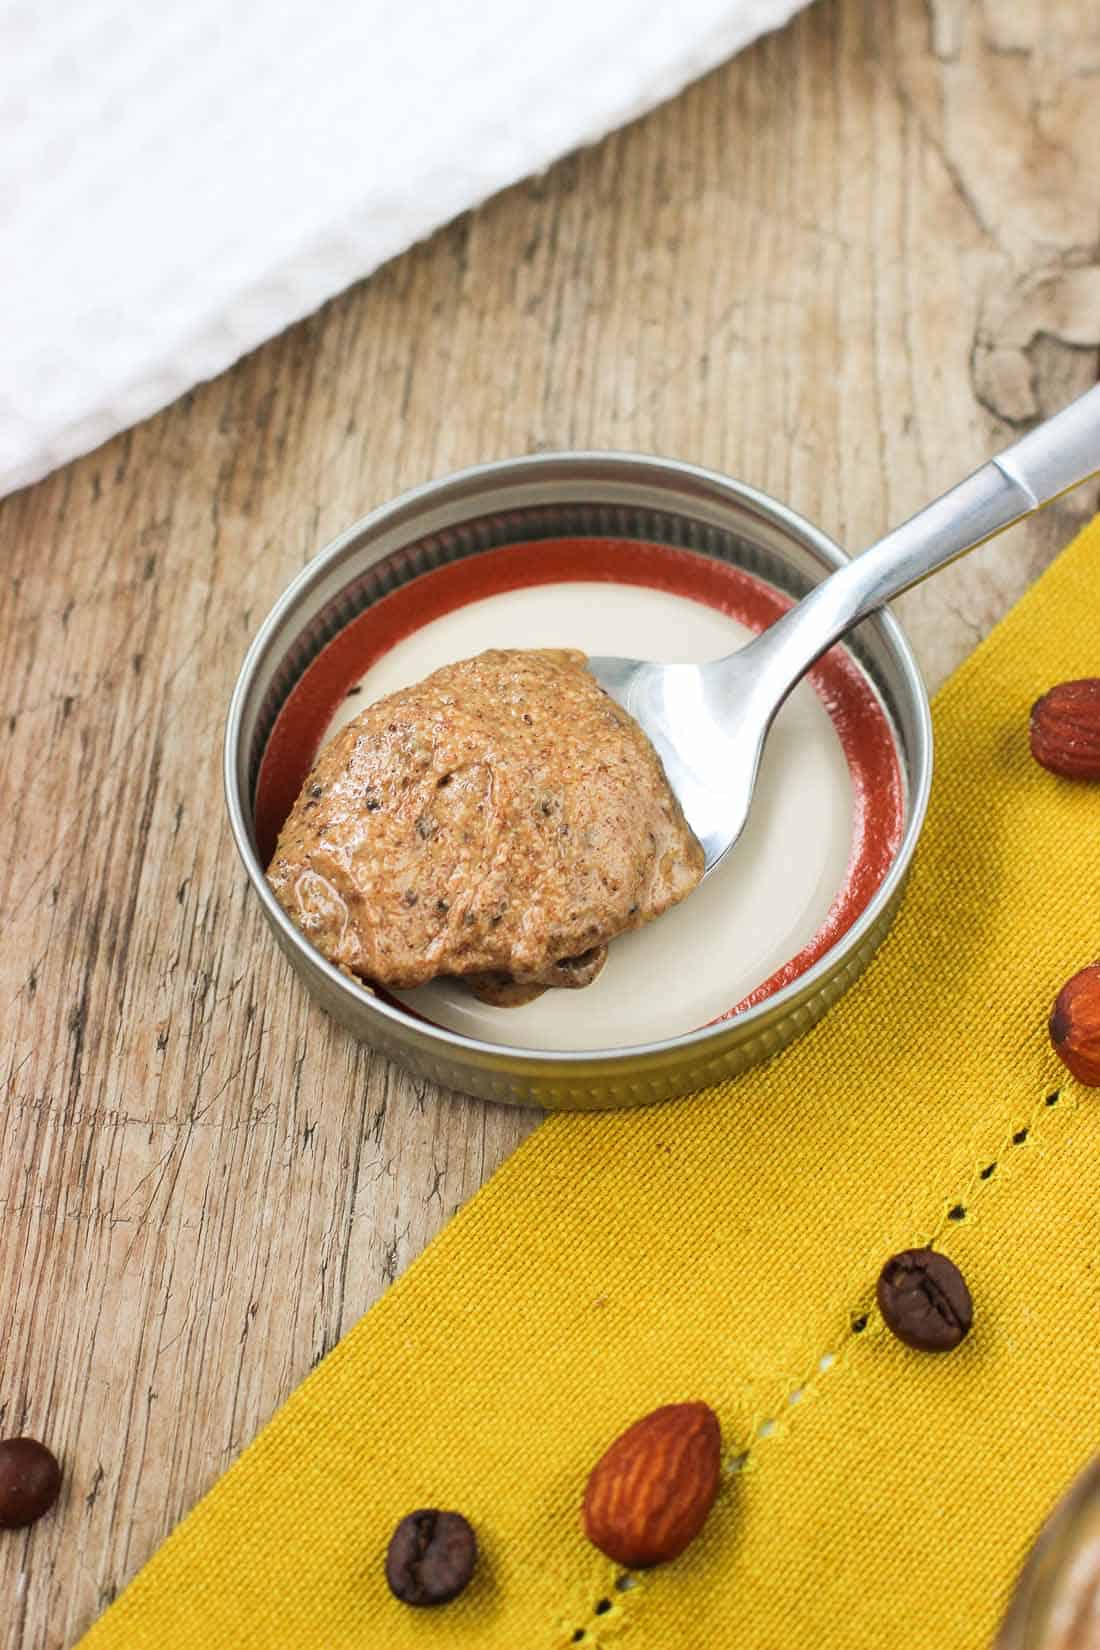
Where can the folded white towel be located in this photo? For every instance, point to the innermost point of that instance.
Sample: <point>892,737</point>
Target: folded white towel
<point>180,181</point>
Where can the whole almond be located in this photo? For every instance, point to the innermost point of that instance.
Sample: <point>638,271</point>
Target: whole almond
<point>649,1494</point>
<point>1075,1025</point>
<point>1065,729</point>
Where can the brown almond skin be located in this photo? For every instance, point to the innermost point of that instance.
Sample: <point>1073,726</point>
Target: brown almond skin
<point>1065,729</point>
<point>1075,1025</point>
<point>649,1494</point>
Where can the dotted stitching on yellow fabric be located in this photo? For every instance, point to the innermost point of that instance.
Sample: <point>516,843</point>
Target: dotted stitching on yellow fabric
<point>743,1459</point>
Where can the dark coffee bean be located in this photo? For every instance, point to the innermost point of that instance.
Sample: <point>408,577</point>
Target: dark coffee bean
<point>431,1557</point>
<point>29,1481</point>
<point>924,1299</point>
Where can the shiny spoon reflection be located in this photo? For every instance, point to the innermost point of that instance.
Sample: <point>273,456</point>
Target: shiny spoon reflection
<point>709,722</point>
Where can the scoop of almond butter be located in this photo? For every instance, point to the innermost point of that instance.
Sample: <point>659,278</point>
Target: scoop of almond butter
<point>502,820</point>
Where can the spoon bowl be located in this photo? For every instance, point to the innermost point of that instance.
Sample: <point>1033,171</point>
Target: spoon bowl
<point>705,723</point>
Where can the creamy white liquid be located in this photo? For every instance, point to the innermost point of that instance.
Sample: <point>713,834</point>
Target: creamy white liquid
<point>764,903</point>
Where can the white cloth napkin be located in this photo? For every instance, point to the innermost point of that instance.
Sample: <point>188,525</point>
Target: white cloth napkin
<point>181,179</point>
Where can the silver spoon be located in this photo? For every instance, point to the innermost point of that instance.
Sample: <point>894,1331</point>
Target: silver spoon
<point>709,722</point>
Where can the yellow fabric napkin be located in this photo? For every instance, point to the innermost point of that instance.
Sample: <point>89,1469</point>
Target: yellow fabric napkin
<point>726,1248</point>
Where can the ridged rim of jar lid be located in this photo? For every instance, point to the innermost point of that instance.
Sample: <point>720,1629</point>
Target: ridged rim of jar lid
<point>480,488</point>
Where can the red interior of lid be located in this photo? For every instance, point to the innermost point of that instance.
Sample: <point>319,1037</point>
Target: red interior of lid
<point>861,724</point>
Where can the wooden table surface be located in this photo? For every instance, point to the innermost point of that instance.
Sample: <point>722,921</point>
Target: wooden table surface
<point>845,267</point>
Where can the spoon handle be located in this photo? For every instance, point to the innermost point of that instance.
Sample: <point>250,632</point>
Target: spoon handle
<point>1058,454</point>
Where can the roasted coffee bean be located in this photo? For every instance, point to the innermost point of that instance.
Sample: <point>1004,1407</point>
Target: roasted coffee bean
<point>431,1557</point>
<point>29,1481</point>
<point>924,1299</point>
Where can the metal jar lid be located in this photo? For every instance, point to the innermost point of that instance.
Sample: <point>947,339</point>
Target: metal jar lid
<point>524,500</point>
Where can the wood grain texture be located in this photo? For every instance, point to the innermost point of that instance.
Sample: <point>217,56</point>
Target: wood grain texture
<point>845,267</point>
